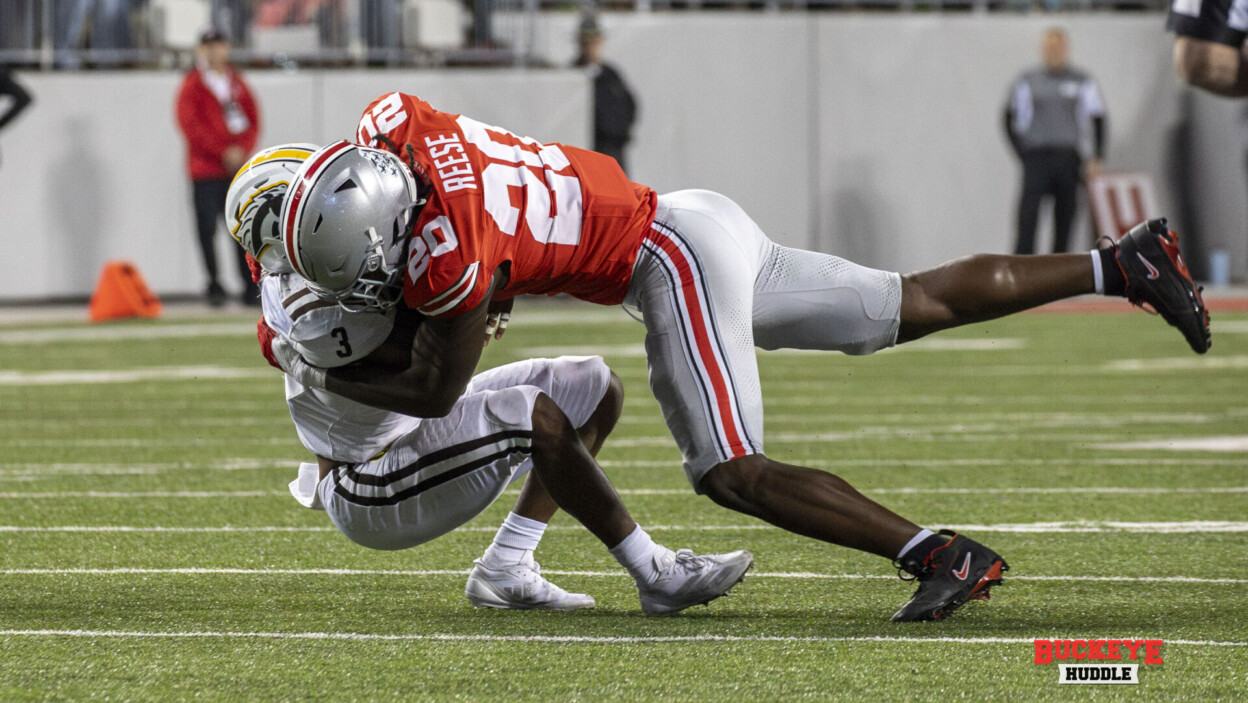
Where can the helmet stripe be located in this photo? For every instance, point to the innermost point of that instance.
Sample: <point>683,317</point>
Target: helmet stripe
<point>295,202</point>
<point>295,154</point>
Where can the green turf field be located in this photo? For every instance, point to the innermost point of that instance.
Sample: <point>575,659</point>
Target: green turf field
<point>150,550</point>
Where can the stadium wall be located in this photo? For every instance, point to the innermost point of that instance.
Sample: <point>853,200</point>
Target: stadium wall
<point>877,137</point>
<point>96,169</point>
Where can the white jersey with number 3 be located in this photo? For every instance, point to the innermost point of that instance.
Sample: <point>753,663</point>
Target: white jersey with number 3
<point>328,336</point>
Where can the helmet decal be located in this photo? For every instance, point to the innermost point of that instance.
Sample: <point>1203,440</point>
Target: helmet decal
<point>254,200</point>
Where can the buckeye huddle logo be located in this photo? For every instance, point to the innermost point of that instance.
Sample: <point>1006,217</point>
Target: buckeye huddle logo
<point>1098,660</point>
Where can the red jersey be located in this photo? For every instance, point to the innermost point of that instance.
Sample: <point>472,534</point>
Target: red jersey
<point>567,219</point>
<point>204,123</point>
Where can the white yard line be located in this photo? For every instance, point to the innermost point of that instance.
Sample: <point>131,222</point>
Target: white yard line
<point>112,333</point>
<point>32,334</point>
<point>981,420</point>
<point>636,350</point>
<point>58,495</point>
<point>1194,527</point>
<point>1115,490</point>
<point>1108,526</point>
<point>681,492</point>
<point>30,470</point>
<point>1178,363</point>
<point>290,440</point>
<point>138,375</point>
<point>992,432</point>
<point>1230,443</point>
<point>811,393</point>
<point>552,639</point>
<point>792,575</point>
<point>931,344</point>
<point>939,463</point>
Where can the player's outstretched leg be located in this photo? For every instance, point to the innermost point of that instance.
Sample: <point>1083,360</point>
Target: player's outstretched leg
<point>507,576</point>
<point>821,505</point>
<point>667,581</point>
<point>1144,266</point>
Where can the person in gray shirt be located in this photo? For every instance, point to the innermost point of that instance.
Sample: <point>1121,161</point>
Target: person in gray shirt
<point>1048,117</point>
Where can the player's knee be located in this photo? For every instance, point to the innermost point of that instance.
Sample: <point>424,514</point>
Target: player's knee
<point>922,312</point>
<point>552,430</point>
<point>735,484</point>
<point>609,408</point>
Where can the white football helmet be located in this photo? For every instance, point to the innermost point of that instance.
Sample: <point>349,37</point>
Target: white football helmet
<point>346,222</point>
<point>254,203</point>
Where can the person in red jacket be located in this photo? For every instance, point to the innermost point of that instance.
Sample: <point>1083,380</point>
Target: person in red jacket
<point>219,118</point>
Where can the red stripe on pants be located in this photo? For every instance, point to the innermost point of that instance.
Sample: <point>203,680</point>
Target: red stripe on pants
<point>692,313</point>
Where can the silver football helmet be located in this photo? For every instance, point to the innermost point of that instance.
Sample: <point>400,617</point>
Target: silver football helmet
<point>254,203</point>
<point>346,221</point>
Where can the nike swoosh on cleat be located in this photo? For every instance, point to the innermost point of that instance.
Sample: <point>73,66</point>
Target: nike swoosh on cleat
<point>961,574</point>
<point>1153,273</point>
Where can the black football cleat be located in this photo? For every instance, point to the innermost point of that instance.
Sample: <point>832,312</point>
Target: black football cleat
<point>1149,258</point>
<point>954,573</point>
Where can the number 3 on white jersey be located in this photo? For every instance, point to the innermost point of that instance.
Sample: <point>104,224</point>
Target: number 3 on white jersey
<point>553,205</point>
<point>385,116</point>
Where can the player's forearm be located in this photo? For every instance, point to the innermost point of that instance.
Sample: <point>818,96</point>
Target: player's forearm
<point>431,378</point>
<point>1217,68</point>
<point>418,391</point>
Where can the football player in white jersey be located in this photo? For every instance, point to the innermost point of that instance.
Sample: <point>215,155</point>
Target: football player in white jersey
<point>391,481</point>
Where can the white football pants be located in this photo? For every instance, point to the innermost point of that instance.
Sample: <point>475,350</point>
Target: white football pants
<point>712,287</point>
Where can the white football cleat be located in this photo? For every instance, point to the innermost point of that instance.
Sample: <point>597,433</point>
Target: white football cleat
<point>519,587</point>
<point>686,579</point>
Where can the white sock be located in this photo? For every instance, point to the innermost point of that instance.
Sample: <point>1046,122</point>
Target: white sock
<point>515,536</point>
<point>914,541</point>
<point>1098,274</point>
<point>636,554</point>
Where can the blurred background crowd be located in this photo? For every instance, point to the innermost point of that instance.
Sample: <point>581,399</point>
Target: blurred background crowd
<point>69,34</point>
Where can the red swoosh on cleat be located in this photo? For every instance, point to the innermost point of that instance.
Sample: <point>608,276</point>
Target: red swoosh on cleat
<point>1153,273</point>
<point>966,568</point>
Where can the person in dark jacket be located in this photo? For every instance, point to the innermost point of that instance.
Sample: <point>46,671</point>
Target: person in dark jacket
<point>615,108</point>
<point>220,120</point>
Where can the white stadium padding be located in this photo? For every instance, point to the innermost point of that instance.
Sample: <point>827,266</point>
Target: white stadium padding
<point>875,137</point>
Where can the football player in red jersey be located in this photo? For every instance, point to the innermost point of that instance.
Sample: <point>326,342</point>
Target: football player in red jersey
<point>489,215</point>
